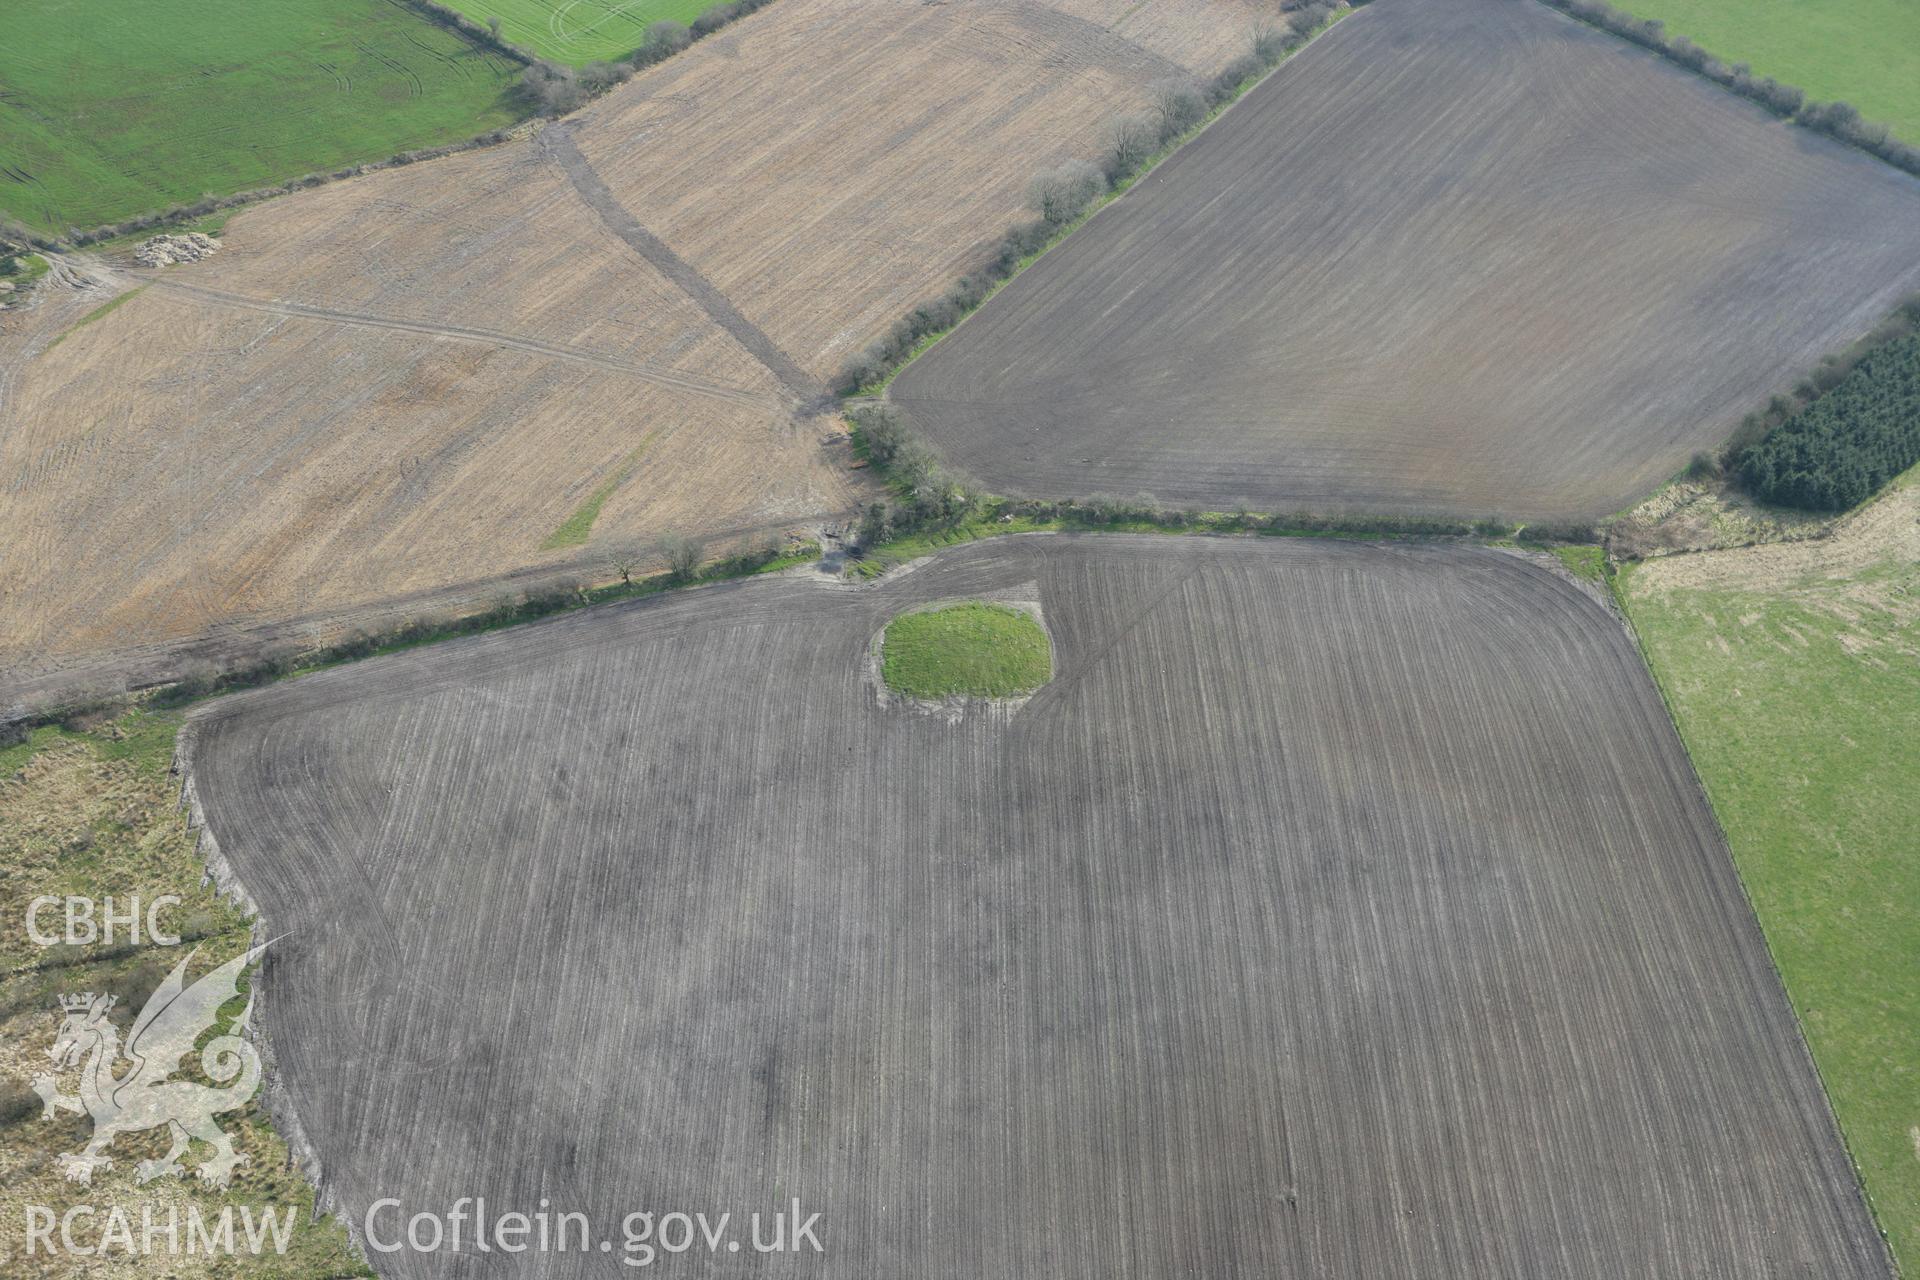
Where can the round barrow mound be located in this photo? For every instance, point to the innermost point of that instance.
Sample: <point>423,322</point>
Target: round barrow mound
<point>973,649</point>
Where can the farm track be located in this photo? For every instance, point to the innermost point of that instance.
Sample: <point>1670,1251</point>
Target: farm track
<point>1462,257</point>
<point>646,373</point>
<point>1337,910</point>
<point>557,140</point>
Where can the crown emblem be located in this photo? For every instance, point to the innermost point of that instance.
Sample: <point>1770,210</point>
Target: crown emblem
<point>83,1001</point>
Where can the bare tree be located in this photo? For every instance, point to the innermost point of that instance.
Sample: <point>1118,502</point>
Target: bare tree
<point>1181,105</point>
<point>1060,194</point>
<point>1130,140</point>
<point>623,556</point>
<point>597,77</point>
<point>554,89</point>
<point>683,556</point>
<point>668,36</point>
<point>1271,41</point>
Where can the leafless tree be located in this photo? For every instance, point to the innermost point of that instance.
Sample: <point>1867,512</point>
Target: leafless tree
<point>1181,105</point>
<point>623,556</point>
<point>668,36</point>
<point>1130,140</point>
<point>1060,194</point>
<point>683,556</point>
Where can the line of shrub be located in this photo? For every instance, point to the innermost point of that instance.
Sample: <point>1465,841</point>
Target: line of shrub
<point>934,502</point>
<point>685,568</point>
<point>1839,120</point>
<point>683,556</point>
<point>555,89</point>
<point>1064,194</point>
<point>1838,451</point>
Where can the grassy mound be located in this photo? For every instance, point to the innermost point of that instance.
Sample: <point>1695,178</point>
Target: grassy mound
<point>985,650</point>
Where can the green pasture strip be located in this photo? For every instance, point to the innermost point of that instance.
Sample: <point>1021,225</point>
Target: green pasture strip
<point>581,32</point>
<point>1866,52</point>
<point>575,530</point>
<point>110,111</point>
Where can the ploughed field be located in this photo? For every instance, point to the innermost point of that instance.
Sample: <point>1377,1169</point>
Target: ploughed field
<point>1466,257</point>
<point>1333,910</point>
<point>386,395</point>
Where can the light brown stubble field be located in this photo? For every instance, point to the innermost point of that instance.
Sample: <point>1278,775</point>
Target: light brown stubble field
<point>384,394</point>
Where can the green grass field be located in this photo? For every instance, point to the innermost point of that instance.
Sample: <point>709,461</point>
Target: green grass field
<point>580,31</point>
<point>1800,704</point>
<point>1866,52</point>
<point>107,111</point>
<point>979,650</point>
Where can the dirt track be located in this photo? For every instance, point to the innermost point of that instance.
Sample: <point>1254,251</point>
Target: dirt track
<point>1459,256</point>
<point>1336,911</point>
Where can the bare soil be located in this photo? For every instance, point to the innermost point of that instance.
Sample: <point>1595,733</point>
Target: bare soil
<point>1461,257</point>
<point>1336,910</point>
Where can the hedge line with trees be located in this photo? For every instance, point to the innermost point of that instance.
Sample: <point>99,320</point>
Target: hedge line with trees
<point>554,89</point>
<point>1062,194</point>
<point>932,500</point>
<point>1836,119</point>
<point>1837,451</point>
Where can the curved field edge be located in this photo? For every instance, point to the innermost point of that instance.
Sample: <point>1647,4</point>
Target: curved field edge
<point>1793,674</point>
<point>771,620</point>
<point>94,811</point>
<point>223,96</point>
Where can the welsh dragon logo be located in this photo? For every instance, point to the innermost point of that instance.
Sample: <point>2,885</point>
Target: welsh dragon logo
<point>143,1098</point>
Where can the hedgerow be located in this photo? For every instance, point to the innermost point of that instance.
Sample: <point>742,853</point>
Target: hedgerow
<point>1061,195</point>
<point>1835,119</point>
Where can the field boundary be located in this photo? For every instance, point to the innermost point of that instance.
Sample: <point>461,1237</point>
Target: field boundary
<point>1839,120</point>
<point>1024,244</point>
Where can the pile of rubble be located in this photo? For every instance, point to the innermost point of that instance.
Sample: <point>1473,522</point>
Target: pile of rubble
<point>164,251</point>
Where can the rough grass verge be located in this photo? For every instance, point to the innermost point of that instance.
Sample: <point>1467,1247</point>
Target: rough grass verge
<point>93,812</point>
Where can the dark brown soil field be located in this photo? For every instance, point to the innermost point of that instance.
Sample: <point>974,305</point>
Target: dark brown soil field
<point>1336,910</point>
<point>1458,256</point>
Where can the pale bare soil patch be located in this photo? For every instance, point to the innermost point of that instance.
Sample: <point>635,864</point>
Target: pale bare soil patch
<point>399,386</point>
<point>1706,515</point>
<point>1885,531</point>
